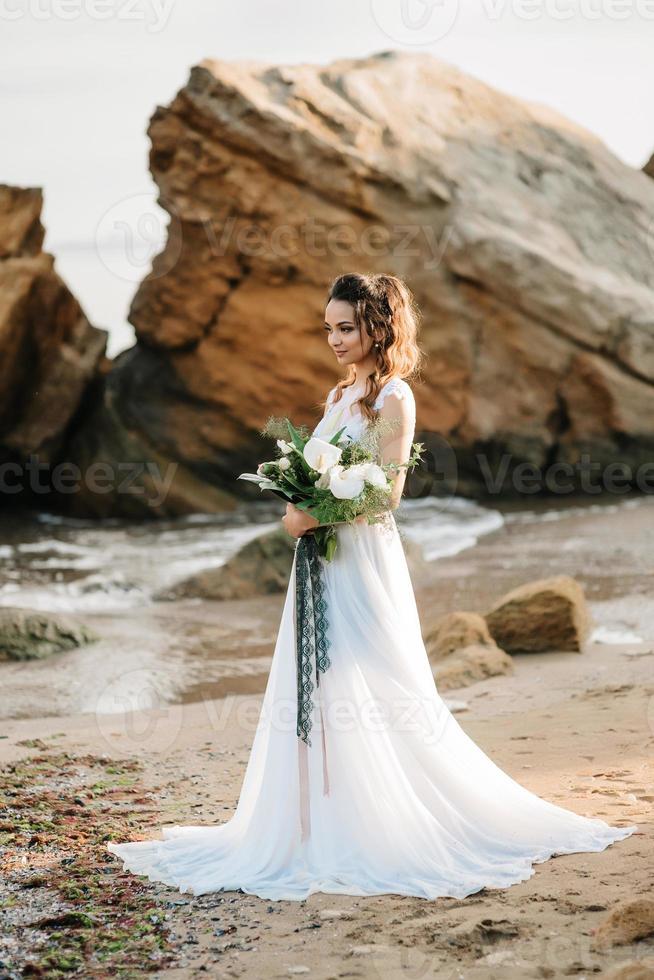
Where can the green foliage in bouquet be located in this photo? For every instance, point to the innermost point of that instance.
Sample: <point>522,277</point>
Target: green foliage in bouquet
<point>335,480</point>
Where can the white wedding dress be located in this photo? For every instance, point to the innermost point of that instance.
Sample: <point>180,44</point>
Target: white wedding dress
<point>391,795</point>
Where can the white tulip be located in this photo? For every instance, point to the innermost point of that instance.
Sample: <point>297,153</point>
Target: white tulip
<point>321,455</point>
<point>285,447</point>
<point>284,463</point>
<point>346,482</point>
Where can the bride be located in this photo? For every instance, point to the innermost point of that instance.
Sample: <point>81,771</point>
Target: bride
<point>384,792</point>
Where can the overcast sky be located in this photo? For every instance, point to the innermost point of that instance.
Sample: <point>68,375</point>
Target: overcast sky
<point>79,79</point>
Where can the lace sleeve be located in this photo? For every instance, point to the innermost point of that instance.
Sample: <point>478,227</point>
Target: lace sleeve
<point>399,387</point>
<point>396,448</point>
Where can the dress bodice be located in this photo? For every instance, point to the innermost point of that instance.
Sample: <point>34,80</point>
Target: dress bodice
<point>346,413</point>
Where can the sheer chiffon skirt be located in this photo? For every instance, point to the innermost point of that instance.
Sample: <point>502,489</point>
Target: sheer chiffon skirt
<point>391,796</point>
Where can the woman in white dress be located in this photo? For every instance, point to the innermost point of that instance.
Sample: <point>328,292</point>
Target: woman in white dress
<point>381,791</point>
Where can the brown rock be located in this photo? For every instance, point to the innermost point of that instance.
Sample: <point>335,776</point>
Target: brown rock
<point>550,614</point>
<point>537,298</point>
<point>472,663</point>
<point>626,923</point>
<point>49,352</point>
<point>21,231</point>
<point>632,970</point>
<point>462,651</point>
<point>454,631</point>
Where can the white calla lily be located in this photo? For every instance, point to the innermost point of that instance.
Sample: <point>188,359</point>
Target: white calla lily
<point>374,474</point>
<point>321,455</point>
<point>346,482</point>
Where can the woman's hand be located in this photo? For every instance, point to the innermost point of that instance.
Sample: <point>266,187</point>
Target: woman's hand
<point>297,522</point>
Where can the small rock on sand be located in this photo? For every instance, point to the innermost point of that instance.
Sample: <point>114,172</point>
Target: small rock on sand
<point>27,634</point>
<point>626,923</point>
<point>632,970</point>
<point>549,614</point>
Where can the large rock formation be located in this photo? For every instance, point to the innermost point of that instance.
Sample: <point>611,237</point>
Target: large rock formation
<point>527,243</point>
<point>49,352</point>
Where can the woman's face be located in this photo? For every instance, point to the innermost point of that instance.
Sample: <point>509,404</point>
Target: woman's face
<point>343,336</point>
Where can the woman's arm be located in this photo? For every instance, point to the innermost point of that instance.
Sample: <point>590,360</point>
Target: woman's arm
<point>396,446</point>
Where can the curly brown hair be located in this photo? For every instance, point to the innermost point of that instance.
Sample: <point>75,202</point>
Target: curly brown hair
<point>385,308</point>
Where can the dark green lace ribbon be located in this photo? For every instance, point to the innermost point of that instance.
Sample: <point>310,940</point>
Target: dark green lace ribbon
<point>311,640</point>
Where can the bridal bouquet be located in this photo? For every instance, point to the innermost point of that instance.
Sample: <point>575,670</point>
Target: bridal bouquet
<point>335,481</point>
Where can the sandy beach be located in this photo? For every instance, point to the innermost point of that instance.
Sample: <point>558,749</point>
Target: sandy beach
<point>577,729</point>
